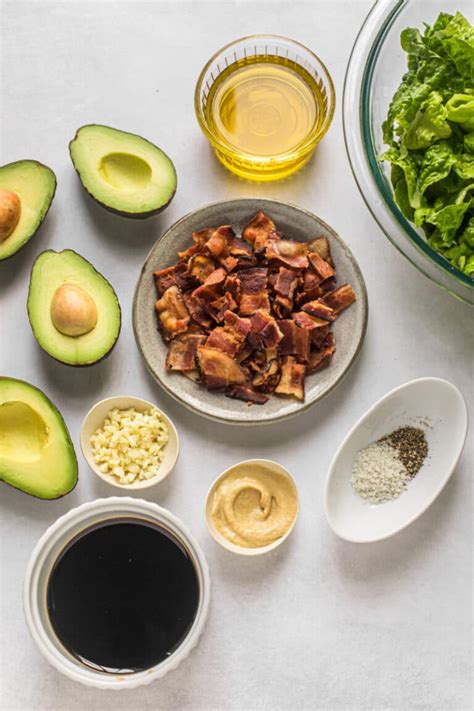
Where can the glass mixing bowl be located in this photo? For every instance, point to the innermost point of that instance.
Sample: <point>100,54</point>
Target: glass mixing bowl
<point>375,68</point>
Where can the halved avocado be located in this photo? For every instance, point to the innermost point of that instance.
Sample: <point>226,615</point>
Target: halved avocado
<point>123,172</point>
<point>36,452</point>
<point>26,192</point>
<point>74,311</point>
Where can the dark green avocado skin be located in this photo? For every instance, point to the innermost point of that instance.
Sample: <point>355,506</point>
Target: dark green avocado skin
<point>76,365</point>
<point>114,211</point>
<point>71,446</point>
<point>8,165</point>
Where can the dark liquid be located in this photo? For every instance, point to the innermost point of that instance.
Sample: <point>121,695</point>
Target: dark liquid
<point>123,596</point>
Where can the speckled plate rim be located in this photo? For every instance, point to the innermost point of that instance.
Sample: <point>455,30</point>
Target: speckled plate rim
<point>249,205</point>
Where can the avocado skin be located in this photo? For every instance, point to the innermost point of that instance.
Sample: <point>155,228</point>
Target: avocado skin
<point>70,445</point>
<point>114,211</point>
<point>74,365</point>
<point>43,165</point>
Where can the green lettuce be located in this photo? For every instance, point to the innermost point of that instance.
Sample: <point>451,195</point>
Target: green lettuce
<point>430,133</point>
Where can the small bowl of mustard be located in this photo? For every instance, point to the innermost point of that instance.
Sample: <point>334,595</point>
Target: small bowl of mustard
<point>251,508</point>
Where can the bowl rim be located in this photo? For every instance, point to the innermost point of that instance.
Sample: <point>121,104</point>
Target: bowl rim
<point>233,547</point>
<point>379,21</point>
<point>139,484</point>
<point>302,148</point>
<point>60,531</point>
<point>358,423</point>
<point>362,297</point>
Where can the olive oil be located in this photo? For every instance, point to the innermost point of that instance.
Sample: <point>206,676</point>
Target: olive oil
<point>264,110</point>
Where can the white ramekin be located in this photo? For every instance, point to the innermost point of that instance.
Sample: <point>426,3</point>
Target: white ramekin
<point>46,553</point>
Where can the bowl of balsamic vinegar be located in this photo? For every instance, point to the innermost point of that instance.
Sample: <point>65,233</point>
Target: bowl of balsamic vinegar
<point>116,593</point>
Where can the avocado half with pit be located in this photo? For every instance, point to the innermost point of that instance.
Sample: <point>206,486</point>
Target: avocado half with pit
<point>123,172</point>
<point>36,452</point>
<point>73,310</point>
<point>26,192</point>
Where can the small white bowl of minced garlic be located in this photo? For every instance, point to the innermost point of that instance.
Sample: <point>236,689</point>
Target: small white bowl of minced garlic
<point>252,507</point>
<point>128,442</point>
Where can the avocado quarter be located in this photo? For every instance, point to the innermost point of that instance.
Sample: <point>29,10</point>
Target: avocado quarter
<point>34,185</point>
<point>36,452</point>
<point>123,172</point>
<point>73,310</point>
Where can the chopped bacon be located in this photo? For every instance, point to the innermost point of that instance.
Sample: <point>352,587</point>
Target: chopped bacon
<point>254,295</point>
<point>305,320</point>
<point>322,268</point>
<point>328,285</point>
<point>292,378</point>
<point>232,285</point>
<point>182,352</point>
<point>215,278</point>
<point>340,298</point>
<point>282,306</point>
<point>198,314</point>
<point>247,394</point>
<point>172,313</point>
<point>165,278</point>
<point>221,305</point>
<point>224,340</point>
<point>318,336</point>
<point>218,243</point>
<point>240,248</point>
<point>295,340</point>
<point>258,231</point>
<point>200,266</point>
<point>203,235</point>
<point>288,251</point>
<point>286,282</point>
<point>237,325</point>
<point>320,309</point>
<point>320,245</point>
<point>266,328</point>
<point>269,376</point>
<point>320,358</point>
<point>219,369</point>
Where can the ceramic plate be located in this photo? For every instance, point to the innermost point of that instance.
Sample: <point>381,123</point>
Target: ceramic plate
<point>349,328</point>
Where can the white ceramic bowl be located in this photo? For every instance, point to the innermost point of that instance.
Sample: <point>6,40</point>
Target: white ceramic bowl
<point>431,400</point>
<point>46,553</point>
<point>228,545</point>
<point>95,419</point>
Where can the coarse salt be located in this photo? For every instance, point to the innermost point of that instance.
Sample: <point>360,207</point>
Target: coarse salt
<point>378,474</point>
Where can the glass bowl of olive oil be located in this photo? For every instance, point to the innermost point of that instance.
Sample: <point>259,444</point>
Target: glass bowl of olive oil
<point>264,102</point>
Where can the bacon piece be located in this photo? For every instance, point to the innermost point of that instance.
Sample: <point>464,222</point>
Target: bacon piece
<point>221,305</point>
<point>320,358</point>
<point>224,340</point>
<point>254,295</point>
<point>288,251</point>
<point>305,320</point>
<point>203,235</point>
<point>269,376</point>
<point>219,369</point>
<point>198,314</point>
<point>328,285</point>
<point>286,282</point>
<point>322,268</point>
<point>318,336</point>
<point>247,394</point>
<point>200,266</point>
<point>320,309</point>
<point>239,248</point>
<point>258,231</point>
<point>240,327</point>
<point>172,313</point>
<point>232,285</point>
<point>165,278</point>
<point>320,245</point>
<point>292,378</point>
<point>266,328</point>
<point>182,352</point>
<point>295,340</point>
<point>218,243</point>
<point>216,278</point>
<point>340,298</point>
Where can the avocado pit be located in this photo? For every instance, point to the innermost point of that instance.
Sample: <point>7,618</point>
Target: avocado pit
<point>10,212</point>
<point>73,311</point>
<point>125,171</point>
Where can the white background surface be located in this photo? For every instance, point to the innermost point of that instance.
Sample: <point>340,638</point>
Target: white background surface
<point>319,624</point>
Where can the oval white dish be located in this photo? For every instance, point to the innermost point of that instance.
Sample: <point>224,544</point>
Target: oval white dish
<point>431,403</point>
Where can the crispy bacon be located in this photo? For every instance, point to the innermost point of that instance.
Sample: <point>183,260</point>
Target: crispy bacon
<point>340,298</point>
<point>320,358</point>
<point>295,340</point>
<point>268,377</point>
<point>318,336</point>
<point>286,282</point>
<point>288,251</point>
<point>218,243</point>
<point>258,231</point>
<point>165,278</point>
<point>224,340</point>
<point>322,268</point>
<point>200,266</point>
<point>266,328</point>
<point>182,352</point>
<point>218,368</point>
<point>237,325</point>
<point>216,278</point>
<point>247,394</point>
<point>172,313</point>
<point>305,320</point>
<point>240,248</point>
<point>292,378</point>
<point>320,245</point>
<point>221,305</point>
<point>232,285</point>
<point>254,295</point>
<point>203,235</point>
<point>198,314</point>
<point>320,309</point>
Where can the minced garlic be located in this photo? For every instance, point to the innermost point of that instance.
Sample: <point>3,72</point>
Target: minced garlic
<point>130,444</point>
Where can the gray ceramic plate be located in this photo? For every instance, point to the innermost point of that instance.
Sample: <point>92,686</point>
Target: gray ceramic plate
<point>349,328</point>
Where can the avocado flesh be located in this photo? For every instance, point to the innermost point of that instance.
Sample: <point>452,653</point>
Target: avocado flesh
<point>123,172</point>
<point>50,271</point>
<point>36,452</point>
<point>35,185</point>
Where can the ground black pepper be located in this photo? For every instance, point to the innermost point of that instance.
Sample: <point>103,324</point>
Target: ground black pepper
<point>411,445</point>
